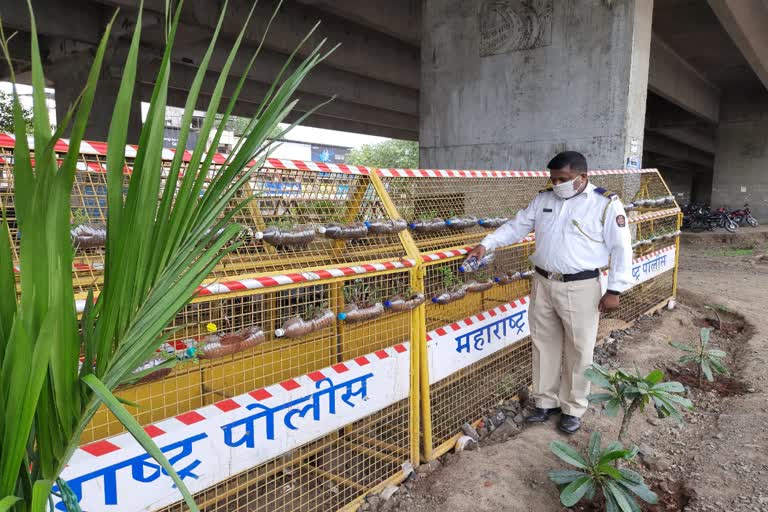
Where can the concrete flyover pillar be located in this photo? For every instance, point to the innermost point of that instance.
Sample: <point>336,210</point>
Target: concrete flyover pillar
<point>509,83</point>
<point>741,159</point>
<point>69,80</point>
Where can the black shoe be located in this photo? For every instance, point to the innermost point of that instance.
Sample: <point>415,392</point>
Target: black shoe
<point>569,424</point>
<point>541,415</point>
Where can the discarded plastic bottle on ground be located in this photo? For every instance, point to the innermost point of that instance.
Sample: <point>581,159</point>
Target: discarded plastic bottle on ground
<point>472,264</point>
<point>295,237</point>
<point>336,231</point>
<point>381,227</point>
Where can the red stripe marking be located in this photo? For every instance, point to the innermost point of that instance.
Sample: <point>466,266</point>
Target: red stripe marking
<point>323,274</point>
<point>260,394</point>
<point>323,166</point>
<point>153,431</point>
<point>503,308</point>
<point>381,354</point>
<point>300,165</point>
<point>219,159</point>
<point>61,146</point>
<point>227,405</point>
<point>369,268</point>
<point>347,271</point>
<point>362,361</point>
<point>512,305</point>
<point>296,278</point>
<point>440,332</point>
<point>290,385</point>
<point>400,349</point>
<point>468,321</point>
<point>100,448</point>
<point>267,281</point>
<point>234,286</point>
<point>455,326</point>
<point>522,300</point>
<point>429,338</point>
<point>492,313</point>
<point>316,376</point>
<point>340,368</point>
<point>481,317</point>
<point>189,418</point>
<point>7,141</point>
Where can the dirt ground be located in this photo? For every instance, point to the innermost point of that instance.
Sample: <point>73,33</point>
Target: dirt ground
<point>716,461</point>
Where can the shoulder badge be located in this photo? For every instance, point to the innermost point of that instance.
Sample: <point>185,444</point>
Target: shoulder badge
<point>606,193</point>
<point>545,190</point>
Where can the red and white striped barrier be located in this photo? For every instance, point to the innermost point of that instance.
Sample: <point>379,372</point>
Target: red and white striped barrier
<point>94,148</point>
<point>257,283</point>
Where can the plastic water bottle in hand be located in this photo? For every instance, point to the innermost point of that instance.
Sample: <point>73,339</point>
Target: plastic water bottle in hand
<point>472,264</point>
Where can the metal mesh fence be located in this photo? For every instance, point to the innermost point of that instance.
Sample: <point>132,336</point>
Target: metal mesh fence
<point>302,219</point>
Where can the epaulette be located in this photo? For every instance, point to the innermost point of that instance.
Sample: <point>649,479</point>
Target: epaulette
<point>606,193</point>
<point>545,190</point>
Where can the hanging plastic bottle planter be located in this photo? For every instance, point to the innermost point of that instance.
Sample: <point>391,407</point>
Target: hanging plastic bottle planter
<point>386,227</point>
<point>297,237</point>
<point>449,296</point>
<point>296,327</point>
<point>493,222</point>
<point>399,304</point>
<point>428,226</point>
<point>335,231</point>
<point>353,313</point>
<point>479,286</point>
<point>89,236</point>
<point>152,375</point>
<point>461,223</point>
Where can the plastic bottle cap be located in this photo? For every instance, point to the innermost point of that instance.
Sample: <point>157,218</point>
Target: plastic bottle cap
<point>191,351</point>
<point>387,303</point>
<point>367,224</point>
<point>258,235</point>
<point>342,316</point>
<point>462,269</point>
<point>280,333</point>
<point>321,229</point>
<point>496,279</point>
<point>434,300</point>
<point>411,225</point>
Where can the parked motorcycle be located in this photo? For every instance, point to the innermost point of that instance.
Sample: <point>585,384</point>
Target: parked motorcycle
<point>744,217</point>
<point>704,219</point>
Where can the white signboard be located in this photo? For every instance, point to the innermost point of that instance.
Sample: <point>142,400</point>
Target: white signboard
<point>456,346</point>
<point>653,264</point>
<point>212,443</point>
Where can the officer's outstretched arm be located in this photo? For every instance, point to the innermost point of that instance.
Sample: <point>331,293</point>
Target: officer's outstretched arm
<point>513,230</point>
<point>619,241</point>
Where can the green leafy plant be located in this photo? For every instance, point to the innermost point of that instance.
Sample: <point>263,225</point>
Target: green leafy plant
<point>448,278</point>
<point>163,238</point>
<point>361,293</point>
<point>628,393</point>
<point>708,360</point>
<point>596,472</point>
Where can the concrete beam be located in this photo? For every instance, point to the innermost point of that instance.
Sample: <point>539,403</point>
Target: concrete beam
<point>57,19</point>
<point>177,98</point>
<point>672,78</point>
<point>395,62</point>
<point>253,93</point>
<point>324,80</point>
<point>658,144</point>
<point>745,22</point>
<point>400,19</point>
<point>699,139</point>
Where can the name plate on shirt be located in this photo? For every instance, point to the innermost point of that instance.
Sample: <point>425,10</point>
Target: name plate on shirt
<point>458,345</point>
<point>215,442</point>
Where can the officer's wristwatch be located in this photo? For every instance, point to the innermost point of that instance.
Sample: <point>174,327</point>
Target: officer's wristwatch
<point>613,292</point>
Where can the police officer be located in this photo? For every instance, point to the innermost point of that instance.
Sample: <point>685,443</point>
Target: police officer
<point>580,229</point>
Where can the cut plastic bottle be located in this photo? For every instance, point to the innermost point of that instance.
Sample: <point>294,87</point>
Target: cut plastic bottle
<point>353,313</point>
<point>450,296</point>
<point>297,237</point>
<point>460,223</point>
<point>89,236</point>
<point>493,222</point>
<point>428,226</point>
<point>296,327</point>
<point>479,286</point>
<point>399,304</point>
<point>336,231</point>
<point>386,227</point>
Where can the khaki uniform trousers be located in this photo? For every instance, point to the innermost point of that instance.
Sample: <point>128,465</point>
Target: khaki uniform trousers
<point>563,322</point>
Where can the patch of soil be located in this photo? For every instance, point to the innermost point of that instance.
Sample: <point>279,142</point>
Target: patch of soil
<point>723,385</point>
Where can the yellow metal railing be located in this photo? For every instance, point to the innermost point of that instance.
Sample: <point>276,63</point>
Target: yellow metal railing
<point>285,316</point>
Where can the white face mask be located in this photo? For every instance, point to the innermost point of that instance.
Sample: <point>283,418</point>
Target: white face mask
<point>567,189</point>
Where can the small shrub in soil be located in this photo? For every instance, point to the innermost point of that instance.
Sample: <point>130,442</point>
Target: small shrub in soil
<point>708,360</point>
<point>596,472</point>
<point>628,393</point>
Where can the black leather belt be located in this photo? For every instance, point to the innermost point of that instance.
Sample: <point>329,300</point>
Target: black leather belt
<point>578,276</point>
